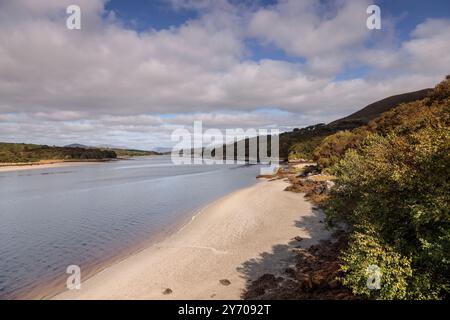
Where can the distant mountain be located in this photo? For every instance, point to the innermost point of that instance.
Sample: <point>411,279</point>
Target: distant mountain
<point>163,149</point>
<point>77,145</point>
<point>110,146</point>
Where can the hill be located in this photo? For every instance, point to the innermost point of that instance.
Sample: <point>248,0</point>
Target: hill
<point>124,153</point>
<point>120,151</point>
<point>77,145</point>
<point>21,152</point>
<point>301,143</point>
<point>391,191</point>
<point>375,109</point>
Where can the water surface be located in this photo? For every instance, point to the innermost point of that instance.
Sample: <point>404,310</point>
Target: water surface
<point>88,214</point>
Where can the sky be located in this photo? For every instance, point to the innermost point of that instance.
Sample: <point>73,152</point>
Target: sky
<point>138,70</point>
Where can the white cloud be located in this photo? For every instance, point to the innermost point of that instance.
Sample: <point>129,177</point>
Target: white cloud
<point>314,30</point>
<point>107,81</point>
<point>425,53</point>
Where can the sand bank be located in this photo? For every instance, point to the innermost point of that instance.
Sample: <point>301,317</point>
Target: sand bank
<point>237,238</point>
<point>44,165</point>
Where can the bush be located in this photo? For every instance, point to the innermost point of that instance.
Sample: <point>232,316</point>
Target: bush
<point>398,185</point>
<point>333,147</point>
<point>367,250</point>
<point>304,149</point>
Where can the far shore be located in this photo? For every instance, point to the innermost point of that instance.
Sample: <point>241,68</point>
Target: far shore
<point>44,164</point>
<point>230,242</point>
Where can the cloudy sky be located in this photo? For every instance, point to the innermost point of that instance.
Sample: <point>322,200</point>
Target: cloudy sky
<point>137,70</point>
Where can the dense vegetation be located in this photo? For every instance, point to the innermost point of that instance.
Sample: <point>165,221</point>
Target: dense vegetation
<point>392,191</point>
<point>120,152</point>
<point>302,143</point>
<point>333,147</point>
<point>374,110</point>
<point>20,152</point>
<point>124,153</point>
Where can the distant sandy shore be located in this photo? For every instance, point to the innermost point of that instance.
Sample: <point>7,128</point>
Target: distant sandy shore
<point>237,238</point>
<point>44,165</point>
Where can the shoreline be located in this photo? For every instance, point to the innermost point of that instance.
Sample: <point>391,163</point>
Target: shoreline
<point>225,244</point>
<point>53,287</point>
<point>46,164</point>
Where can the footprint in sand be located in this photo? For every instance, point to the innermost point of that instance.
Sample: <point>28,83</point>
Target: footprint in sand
<point>225,282</point>
<point>167,291</point>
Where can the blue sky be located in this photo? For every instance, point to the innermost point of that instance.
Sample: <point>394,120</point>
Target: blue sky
<point>410,13</point>
<point>161,65</point>
<point>145,15</point>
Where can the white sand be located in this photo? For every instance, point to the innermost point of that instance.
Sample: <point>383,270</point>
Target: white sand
<point>43,165</point>
<point>259,221</point>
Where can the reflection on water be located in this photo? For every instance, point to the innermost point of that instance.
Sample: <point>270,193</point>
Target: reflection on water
<point>84,215</point>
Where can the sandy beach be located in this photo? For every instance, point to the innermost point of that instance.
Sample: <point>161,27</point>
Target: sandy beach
<point>43,165</point>
<point>237,238</point>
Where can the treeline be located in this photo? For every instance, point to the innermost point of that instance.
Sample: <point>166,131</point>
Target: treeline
<point>125,153</point>
<point>20,152</point>
<point>392,192</point>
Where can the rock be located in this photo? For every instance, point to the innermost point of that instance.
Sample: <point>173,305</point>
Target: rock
<point>307,283</point>
<point>225,282</point>
<point>342,296</point>
<point>290,272</point>
<point>319,189</point>
<point>318,279</point>
<point>314,275</point>
<point>329,185</point>
<point>267,277</point>
<point>167,291</point>
<point>297,238</point>
<point>333,284</point>
<point>262,285</point>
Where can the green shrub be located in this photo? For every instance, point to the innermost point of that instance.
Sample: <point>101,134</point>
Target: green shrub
<point>304,149</point>
<point>399,186</point>
<point>366,250</point>
<point>333,147</point>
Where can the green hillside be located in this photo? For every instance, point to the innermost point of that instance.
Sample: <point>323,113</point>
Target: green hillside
<point>124,153</point>
<point>375,109</point>
<point>301,143</point>
<point>21,152</point>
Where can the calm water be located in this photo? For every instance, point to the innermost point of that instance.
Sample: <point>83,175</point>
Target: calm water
<point>88,214</point>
